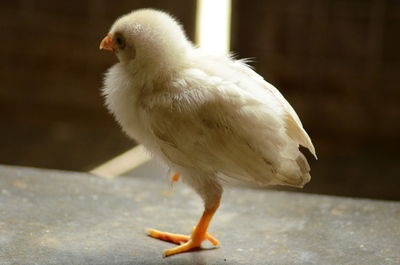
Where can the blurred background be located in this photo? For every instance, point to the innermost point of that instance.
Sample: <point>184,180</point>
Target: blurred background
<point>336,61</point>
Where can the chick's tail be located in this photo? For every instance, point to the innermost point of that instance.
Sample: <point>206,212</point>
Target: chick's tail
<point>293,172</point>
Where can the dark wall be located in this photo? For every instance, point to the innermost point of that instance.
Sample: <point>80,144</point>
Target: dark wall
<point>336,61</point>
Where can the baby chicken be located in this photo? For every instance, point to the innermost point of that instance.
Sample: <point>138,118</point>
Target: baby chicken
<point>210,118</point>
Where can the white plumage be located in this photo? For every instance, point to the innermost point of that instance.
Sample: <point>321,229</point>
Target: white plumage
<point>208,118</point>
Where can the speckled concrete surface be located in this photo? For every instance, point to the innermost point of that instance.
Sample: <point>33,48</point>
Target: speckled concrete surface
<point>54,217</point>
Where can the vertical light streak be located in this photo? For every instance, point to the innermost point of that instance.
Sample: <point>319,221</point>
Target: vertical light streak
<point>213,25</point>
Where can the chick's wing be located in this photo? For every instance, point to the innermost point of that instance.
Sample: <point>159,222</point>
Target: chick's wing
<point>214,126</point>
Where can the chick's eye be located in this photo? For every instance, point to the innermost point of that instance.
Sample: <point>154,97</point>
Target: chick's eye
<point>120,42</point>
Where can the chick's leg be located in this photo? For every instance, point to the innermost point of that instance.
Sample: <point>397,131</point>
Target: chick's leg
<point>175,178</point>
<point>199,234</point>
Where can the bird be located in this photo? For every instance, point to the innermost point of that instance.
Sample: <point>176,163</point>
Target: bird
<point>210,118</point>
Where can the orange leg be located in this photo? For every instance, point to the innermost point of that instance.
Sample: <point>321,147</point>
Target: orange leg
<point>199,234</point>
<point>175,178</point>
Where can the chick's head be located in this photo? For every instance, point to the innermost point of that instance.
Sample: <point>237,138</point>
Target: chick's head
<point>147,38</point>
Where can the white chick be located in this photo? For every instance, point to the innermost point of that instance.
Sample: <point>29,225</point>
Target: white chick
<point>209,118</point>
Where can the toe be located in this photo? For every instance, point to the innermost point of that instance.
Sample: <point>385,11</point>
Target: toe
<point>212,239</point>
<point>182,248</point>
<point>174,238</point>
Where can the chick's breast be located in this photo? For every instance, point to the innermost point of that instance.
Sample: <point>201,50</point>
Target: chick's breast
<point>123,97</point>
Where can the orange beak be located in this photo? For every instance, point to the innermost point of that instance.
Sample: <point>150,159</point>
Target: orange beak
<point>108,44</point>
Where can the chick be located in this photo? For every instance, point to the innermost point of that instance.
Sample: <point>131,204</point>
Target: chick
<point>209,118</point>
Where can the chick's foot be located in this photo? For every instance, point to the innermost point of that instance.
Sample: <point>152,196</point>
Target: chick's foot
<point>186,242</point>
<point>199,234</point>
<point>178,238</point>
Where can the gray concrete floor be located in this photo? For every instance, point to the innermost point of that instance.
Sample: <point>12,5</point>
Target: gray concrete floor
<point>56,217</point>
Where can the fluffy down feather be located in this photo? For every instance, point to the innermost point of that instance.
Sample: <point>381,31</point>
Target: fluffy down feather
<point>208,118</point>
